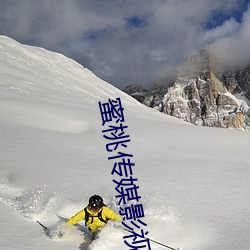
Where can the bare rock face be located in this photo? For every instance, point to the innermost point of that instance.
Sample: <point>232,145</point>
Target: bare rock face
<point>199,97</point>
<point>137,91</point>
<point>237,81</point>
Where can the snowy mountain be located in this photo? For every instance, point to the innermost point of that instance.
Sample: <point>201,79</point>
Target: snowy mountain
<point>194,181</point>
<point>201,95</point>
<point>237,81</point>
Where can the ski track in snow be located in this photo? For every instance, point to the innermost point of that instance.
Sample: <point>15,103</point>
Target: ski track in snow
<point>32,204</point>
<point>39,204</point>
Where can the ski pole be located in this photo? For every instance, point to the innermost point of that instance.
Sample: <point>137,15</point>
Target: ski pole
<point>157,242</point>
<point>45,228</point>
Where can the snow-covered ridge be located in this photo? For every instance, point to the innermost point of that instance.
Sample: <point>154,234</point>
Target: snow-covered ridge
<point>33,74</point>
<point>34,66</point>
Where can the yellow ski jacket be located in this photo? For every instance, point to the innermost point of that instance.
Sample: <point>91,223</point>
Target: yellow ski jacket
<point>94,223</point>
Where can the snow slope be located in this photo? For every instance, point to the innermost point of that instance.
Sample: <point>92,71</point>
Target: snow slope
<point>194,181</point>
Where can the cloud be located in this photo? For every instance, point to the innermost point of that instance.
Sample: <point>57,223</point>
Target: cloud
<point>233,49</point>
<point>121,41</point>
<point>228,28</point>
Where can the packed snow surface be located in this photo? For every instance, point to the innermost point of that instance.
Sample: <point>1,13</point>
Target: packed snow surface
<point>194,181</point>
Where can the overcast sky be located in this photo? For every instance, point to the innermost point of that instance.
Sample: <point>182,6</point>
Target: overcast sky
<point>131,41</point>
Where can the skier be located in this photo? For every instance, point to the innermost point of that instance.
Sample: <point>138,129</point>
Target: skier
<point>95,214</point>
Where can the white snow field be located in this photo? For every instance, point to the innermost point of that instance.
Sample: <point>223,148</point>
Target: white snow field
<point>194,181</point>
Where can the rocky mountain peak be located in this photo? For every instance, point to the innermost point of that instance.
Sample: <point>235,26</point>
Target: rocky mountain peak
<point>196,64</point>
<point>200,96</point>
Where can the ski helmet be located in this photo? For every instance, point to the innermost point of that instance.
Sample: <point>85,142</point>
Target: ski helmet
<point>95,202</point>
